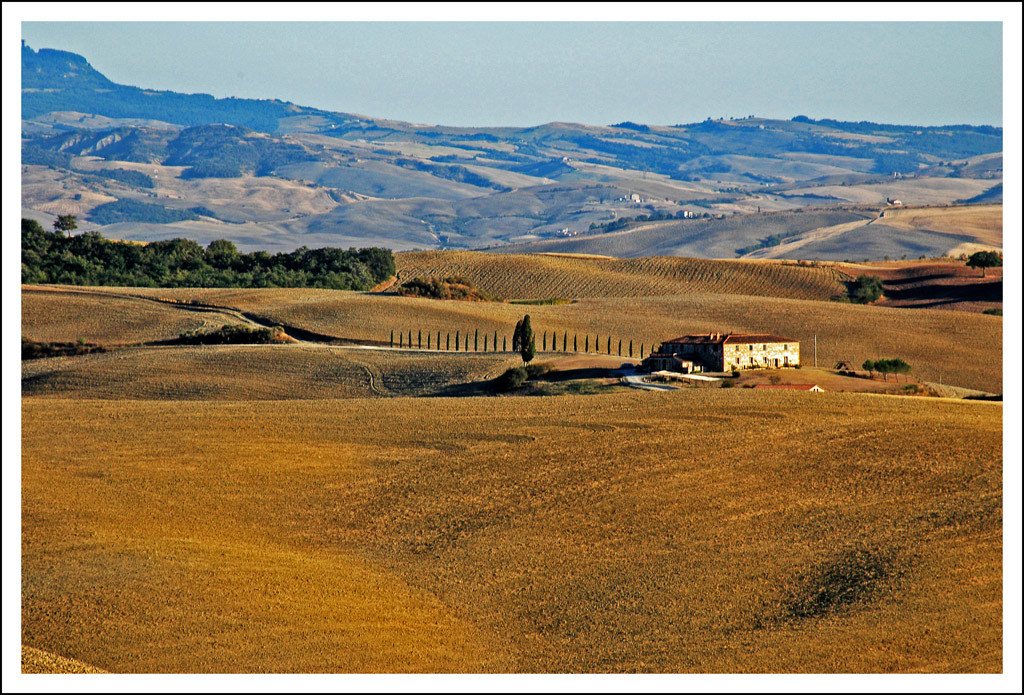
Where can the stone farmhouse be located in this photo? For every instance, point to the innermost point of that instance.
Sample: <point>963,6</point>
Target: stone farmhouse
<point>723,352</point>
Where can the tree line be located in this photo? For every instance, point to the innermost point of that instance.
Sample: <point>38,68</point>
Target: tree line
<point>89,259</point>
<point>886,367</point>
<point>523,340</point>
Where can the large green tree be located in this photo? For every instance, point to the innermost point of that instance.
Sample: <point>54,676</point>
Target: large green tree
<point>65,224</point>
<point>985,259</point>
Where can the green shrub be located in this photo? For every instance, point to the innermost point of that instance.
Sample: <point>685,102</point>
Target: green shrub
<point>34,349</point>
<point>443,288</point>
<point>233,335</point>
<point>865,289</point>
<point>534,371</point>
<point>512,379</point>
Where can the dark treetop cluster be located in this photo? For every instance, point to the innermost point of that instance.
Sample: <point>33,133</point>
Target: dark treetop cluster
<point>89,259</point>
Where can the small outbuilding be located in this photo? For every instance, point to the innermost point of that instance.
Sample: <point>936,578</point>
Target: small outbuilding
<point>791,387</point>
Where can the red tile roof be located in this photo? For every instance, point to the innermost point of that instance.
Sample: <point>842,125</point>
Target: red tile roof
<point>731,338</point>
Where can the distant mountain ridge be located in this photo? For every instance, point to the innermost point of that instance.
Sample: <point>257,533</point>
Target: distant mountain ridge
<point>304,175</point>
<point>55,80</point>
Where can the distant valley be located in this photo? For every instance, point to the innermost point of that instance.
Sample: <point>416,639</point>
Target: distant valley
<point>145,165</point>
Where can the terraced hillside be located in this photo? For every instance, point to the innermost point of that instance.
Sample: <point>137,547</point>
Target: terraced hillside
<point>798,533</point>
<point>547,276</point>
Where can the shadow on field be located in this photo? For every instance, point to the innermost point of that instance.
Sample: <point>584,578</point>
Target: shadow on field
<point>947,294</point>
<point>583,373</point>
<point>849,579</point>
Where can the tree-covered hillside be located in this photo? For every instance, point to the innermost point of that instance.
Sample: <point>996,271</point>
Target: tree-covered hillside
<point>89,259</point>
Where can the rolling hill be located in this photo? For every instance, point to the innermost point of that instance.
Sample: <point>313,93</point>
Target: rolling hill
<point>274,175</point>
<point>688,532</point>
<point>640,302</point>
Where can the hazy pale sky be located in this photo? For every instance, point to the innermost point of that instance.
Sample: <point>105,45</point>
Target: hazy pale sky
<point>528,73</point>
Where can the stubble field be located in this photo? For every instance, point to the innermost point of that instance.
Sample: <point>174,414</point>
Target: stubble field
<point>958,348</point>
<point>700,531</point>
<point>287,508</point>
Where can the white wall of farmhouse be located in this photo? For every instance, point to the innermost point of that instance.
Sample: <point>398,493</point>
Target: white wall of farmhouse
<point>723,353</point>
<point>761,355</point>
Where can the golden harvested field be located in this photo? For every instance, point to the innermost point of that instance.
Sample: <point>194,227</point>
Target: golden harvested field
<point>65,314</point>
<point>983,222</point>
<point>38,661</point>
<point>255,372</point>
<point>692,531</point>
<point>958,348</point>
<point>542,276</point>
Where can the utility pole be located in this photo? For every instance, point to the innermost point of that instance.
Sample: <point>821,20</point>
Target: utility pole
<point>815,350</point>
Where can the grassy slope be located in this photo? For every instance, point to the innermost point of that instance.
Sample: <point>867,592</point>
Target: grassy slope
<point>931,340</point>
<point>65,314</point>
<point>382,535</point>
<point>248,372</point>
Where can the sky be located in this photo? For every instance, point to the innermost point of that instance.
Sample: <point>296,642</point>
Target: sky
<point>492,73</point>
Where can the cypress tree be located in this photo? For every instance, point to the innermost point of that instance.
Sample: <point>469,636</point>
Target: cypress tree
<point>631,348</point>
<point>448,342</point>
<point>428,341</point>
<point>517,336</point>
<point>439,340</point>
<point>620,347</point>
<point>527,346</point>
<point>476,340</point>
<point>485,342</point>
<point>530,350</point>
<point>400,336</point>
<point>574,348</point>
<point>504,344</point>
<point>586,343</point>
<point>456,341</point>
<point>609,345</point>
<point>565,338</point>
<point>641,349</point>
<point>392,338</point>
<point>495,343</point>
<point>419,338</point>
<point>544,342</point>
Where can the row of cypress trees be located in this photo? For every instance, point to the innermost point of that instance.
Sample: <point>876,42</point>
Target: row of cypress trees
<point>476,342</point>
